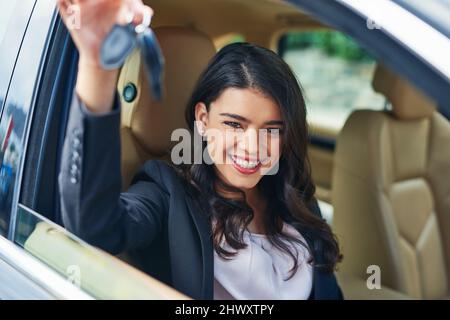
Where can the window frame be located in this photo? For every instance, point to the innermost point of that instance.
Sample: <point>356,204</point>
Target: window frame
<point>384,46</point>
<point>322,141</point>
<point>26,77</point>
<point>47,131</point>
<point>12,40</point>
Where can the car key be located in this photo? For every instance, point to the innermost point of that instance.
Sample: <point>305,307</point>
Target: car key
<point>122,40</point>
<point>117,46</point>
<point>154,61</point>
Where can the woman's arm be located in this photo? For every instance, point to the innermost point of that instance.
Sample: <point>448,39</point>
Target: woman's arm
<point>92,206</point>
<point>96,87</point>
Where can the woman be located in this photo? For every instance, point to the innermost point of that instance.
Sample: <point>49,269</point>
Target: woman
<point>241,223</point>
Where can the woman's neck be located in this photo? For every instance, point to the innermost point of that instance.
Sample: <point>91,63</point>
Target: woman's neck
<point>258,203</point>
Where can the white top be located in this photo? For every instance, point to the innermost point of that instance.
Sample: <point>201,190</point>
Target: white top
<point>259,271</point>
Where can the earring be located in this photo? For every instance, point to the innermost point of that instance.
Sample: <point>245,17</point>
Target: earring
<point>200,128</point>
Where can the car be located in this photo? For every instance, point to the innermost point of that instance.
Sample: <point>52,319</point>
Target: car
<point>376,76</point>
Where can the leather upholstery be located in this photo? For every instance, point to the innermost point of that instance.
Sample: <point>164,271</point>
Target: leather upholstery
<point>391,192</point>
<point>408,102</point>
<point>147,125</point>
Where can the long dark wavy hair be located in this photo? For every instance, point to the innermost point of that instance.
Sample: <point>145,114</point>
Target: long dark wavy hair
<point>289,193</point>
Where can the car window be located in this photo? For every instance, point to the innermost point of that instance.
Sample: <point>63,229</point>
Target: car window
<point>335,74</point>
<point>95,272</point>
<point>10,150</point>
<point>6,13</point>
<point>13,21</point>
<point>20,93</point>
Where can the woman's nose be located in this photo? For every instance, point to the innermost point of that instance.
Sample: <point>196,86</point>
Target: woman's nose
<point>249,142</point>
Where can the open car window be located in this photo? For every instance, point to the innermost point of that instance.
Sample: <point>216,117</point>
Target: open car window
<point>335,73</point>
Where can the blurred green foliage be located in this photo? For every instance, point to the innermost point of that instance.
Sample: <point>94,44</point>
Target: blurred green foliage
<point>332,43</point>
<point>237,38</point>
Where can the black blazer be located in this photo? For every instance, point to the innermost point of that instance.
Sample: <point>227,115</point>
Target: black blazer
<point>155,221</point>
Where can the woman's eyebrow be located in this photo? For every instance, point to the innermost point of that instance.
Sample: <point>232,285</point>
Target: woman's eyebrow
<point>234,116</point>
<point>241,118</point>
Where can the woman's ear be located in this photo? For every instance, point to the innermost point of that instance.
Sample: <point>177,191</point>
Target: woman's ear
<point>201,117</point>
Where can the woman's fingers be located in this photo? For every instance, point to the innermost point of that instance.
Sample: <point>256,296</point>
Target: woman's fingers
<point>130,10</point>
<point>134,11</point>
<point>89,21</point>
<point>63,6</point>
<point>68,11</point>
<point>149,12</point>
<point>138,12</point>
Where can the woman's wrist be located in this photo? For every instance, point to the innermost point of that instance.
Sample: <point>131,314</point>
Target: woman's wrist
<point>96,86</point>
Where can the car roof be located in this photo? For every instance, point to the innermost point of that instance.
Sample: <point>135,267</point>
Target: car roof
<point>434,12</point>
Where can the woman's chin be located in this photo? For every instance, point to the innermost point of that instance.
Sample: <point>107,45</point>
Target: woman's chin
<point>241,181</point>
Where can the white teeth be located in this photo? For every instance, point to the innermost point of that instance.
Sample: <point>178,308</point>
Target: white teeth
<point>246,164</point>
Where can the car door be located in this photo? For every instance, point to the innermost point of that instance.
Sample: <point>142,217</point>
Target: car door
<point>16,268</point>
<point>39,259</point>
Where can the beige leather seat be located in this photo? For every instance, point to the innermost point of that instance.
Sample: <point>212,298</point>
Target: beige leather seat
<point>147,125</point>
<point>391,195</point>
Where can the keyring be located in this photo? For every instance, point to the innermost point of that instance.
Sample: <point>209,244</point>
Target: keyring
<point>123,39</point>
<point>146,21</point>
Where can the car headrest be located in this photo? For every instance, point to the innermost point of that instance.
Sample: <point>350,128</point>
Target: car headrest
<point>408,103</point>
<point>186,52</point>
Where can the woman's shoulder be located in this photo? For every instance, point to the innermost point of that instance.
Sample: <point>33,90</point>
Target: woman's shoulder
<point>161,172</point>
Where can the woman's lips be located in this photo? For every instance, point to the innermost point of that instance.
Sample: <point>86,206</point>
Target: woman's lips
<point>245,166</point>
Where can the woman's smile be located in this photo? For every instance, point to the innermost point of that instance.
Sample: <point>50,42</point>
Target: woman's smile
<point>245,166</point>
<point>240,128</point>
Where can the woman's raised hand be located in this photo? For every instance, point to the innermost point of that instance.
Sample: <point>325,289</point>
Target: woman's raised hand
<point>89,21</point>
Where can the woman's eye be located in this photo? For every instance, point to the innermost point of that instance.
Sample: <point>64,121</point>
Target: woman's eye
<point>233,124</point>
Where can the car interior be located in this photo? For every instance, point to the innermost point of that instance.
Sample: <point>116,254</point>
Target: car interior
<point>391,192</point>
<point>387,180</point>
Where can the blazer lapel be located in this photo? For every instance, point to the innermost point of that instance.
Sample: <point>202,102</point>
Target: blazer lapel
<point>324,283</point>
<point>204,231</point>
<point>184,249</point>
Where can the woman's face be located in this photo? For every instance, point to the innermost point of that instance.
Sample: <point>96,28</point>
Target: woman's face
<point>243,128</point>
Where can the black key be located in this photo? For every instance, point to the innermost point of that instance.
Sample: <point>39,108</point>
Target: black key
<point>118,45</point>
<point>153,61</point>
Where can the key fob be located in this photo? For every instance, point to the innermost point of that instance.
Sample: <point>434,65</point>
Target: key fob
<point>122,40</point>
<point>153,61</point>
<point>117,46</point>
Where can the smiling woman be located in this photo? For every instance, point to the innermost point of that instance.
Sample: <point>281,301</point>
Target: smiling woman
<point>195,222</point>
<point>249,88</point>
